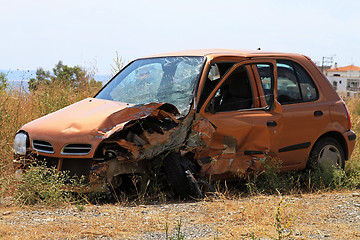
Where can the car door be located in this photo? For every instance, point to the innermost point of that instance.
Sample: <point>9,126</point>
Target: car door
<point>239,123</point>
<point>303,113</point>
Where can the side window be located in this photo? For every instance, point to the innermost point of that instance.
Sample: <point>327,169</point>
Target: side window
<point>235,93</point>
<point>211,81</point>
<point>294,84</point>
<point>307,86</point>
<point>265,72</point>
<point>288,87</point>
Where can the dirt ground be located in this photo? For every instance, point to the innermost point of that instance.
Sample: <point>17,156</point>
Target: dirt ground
<point>333,215</point>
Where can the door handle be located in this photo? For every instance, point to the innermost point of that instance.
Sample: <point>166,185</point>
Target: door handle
<point>318,113</point>
<point>271,123</point>
<point>253,152</point>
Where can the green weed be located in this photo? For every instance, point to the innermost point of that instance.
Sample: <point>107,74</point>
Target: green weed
<point>178,234</point>
<point>271,180</point>
<point>283,224</point>
<point>47,186</point>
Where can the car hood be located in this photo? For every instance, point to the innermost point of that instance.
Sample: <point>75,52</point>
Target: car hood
<point>88,121</point>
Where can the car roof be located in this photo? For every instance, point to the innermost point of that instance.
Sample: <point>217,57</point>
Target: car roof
<point>213,53</point>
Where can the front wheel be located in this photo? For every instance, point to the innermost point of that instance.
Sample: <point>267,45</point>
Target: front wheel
<point>180,177</point>
<point>327,153</point>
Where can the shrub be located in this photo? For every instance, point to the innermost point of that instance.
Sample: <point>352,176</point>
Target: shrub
<point>43,185</point>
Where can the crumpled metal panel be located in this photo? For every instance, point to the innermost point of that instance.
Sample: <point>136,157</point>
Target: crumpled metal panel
<point>167,133</point>
<point>221,152</point>
<point>117,120</point>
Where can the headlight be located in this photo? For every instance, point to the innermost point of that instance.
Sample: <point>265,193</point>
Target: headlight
<point>20,143</point>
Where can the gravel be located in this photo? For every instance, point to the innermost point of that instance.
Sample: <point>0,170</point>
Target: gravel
<point>314,216</point>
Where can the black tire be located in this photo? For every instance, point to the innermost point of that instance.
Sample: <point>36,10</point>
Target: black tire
<point>123,186</point>
<point>180,177</point>
<point>327,152</point>
<point>112,193</point>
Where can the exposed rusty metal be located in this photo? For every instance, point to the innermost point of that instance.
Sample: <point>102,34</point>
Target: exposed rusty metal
<point>150,135</point>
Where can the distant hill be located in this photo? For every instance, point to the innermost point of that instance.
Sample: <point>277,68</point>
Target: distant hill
<point>19,75</point>
<point>20,78</point>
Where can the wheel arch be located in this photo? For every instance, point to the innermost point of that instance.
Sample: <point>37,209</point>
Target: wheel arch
<point>338,137</point>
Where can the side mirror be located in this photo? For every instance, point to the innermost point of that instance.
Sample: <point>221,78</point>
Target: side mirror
<point>214,73</point>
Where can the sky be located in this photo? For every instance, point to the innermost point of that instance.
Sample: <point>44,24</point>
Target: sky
<point>89,33</point>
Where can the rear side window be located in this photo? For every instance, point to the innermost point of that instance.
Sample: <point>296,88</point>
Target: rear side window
<point>307,86</point>
<point>288,87</point>
<point>294,84</point>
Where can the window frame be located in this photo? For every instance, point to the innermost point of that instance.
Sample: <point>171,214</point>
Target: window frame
<point>254,82</point>
<point>260,87</point>
<point>251,86</point>
<point>295,64</point>
<point>203,99</point>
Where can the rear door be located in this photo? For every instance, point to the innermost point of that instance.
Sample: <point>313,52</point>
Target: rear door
<point>303,114</point>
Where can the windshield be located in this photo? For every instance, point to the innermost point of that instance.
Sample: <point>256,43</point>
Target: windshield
<point>165,79</point>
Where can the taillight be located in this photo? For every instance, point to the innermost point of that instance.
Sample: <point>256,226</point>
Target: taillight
<point>348,116</point>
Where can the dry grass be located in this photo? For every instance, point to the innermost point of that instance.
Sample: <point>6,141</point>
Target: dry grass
<point>353,105</point>
<point>314,216</point>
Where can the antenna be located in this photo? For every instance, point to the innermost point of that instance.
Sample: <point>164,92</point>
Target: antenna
<point>326,61</point>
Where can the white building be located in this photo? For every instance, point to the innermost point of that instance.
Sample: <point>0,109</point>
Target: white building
<point>345,80</point>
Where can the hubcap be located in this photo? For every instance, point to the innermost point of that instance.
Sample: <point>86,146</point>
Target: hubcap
<point>329,156</point>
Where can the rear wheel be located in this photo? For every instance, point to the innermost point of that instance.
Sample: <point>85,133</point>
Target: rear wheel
<point>327,153</point>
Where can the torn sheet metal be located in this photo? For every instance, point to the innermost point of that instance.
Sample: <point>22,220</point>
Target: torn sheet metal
<point>148,137</point>
<point>117,120</point>
<point>128,147</point>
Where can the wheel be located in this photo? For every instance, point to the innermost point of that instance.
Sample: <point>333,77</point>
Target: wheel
<point>180,177</point>
<point>125,185</point>
<point>112,190</point>
<point>328,153</point>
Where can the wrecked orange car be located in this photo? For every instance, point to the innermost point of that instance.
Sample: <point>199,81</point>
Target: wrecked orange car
<point>207,114</point>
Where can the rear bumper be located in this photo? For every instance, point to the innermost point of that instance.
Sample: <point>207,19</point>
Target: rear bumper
<point>350,138</point>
